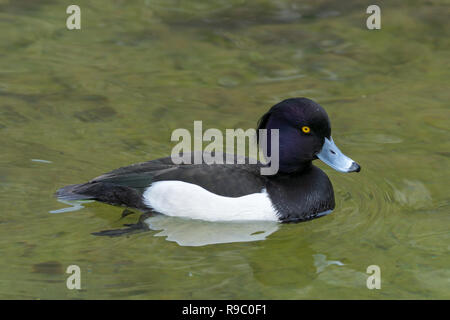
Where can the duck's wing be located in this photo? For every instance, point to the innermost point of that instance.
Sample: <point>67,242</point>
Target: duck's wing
<point>230,180</point>
<point>139,175</point>
<point>124,186</point>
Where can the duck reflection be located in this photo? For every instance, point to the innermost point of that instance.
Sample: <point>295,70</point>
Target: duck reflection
<point>188,232</point>
<point>184,231</point>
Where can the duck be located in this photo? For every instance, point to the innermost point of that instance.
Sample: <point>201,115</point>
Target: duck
<point>299,191</point>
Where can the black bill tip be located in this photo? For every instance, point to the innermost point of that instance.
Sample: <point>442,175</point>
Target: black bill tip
<point>354,167</point>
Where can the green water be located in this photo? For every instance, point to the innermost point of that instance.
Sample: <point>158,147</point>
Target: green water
<point>110,94</point>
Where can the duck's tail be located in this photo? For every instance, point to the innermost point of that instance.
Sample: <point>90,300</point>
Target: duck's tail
<point>104,192</point>
<point>75,192</point>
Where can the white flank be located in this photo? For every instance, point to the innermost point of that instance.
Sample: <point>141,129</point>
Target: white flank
<point>182,199</point>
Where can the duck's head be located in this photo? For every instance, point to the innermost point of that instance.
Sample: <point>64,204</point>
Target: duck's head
<point>304,135</point>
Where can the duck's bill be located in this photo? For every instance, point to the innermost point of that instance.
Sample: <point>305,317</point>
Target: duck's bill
<point>332,156</point>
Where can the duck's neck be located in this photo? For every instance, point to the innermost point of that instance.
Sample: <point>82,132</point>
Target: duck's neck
<point>294,169</point>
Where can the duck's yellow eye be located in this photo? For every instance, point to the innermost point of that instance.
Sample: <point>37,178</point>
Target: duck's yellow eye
<point>306,129</point>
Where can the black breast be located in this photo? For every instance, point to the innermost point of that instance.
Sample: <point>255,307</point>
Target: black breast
<point>301,196</point>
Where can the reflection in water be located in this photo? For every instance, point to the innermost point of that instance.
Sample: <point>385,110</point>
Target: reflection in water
<point>41,160</point>
<point>321,262</point>
<point>188,232</point>
<point>75,205</point>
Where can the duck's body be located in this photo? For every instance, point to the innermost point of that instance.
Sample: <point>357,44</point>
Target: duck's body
<point>299,191</point>
<point>216,192</point>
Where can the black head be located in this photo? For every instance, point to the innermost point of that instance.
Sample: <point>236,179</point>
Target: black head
<point>304,129</point>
